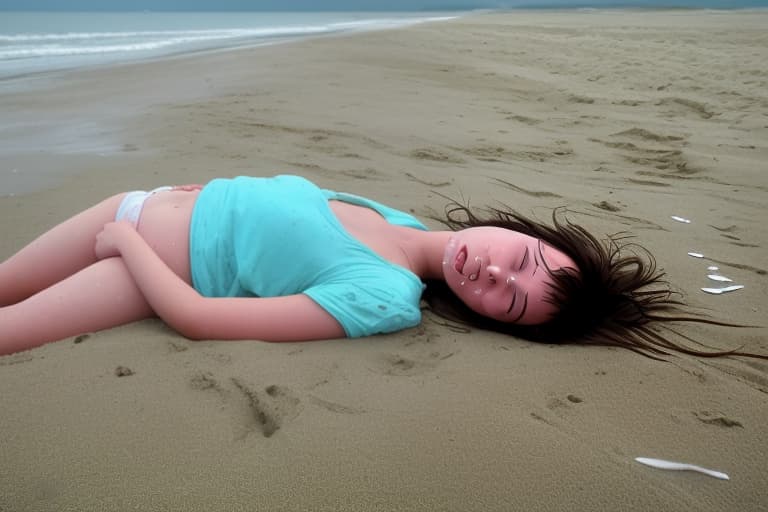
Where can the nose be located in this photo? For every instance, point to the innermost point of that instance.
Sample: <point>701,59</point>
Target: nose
<point>496,274</point>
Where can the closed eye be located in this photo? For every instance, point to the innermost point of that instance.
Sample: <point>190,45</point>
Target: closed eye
<point>522,311</point>
<point>514,298</point>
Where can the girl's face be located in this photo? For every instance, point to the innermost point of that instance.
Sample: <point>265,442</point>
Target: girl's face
<point>503,274</point>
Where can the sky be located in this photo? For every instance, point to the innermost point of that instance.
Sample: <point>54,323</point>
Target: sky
<point>343,5</point>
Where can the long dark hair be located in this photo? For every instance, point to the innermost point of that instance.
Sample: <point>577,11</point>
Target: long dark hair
<point>617,297</point>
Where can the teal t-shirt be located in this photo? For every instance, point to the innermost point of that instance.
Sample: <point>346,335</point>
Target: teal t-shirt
<point>271,237</point>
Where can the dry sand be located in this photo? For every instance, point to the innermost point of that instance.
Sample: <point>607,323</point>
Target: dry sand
<point>626,118</point>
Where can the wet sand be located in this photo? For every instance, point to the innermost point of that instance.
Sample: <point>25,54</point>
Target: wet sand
<point>625,118</point>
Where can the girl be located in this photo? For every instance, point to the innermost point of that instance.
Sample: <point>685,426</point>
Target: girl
<point>279,259</point>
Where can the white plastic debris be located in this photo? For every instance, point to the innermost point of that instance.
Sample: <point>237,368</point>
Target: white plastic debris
<point>718,291</point>
<point>718,277</point>
<point>681,219</point>
<point>680,466</point>
<point>696,254</point>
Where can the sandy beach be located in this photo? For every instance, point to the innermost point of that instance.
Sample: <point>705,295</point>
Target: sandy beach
<point>625,118</point>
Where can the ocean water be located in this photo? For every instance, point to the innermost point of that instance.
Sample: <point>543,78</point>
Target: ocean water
<point>34,42</point>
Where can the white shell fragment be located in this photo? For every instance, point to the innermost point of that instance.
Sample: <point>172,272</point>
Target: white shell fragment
<point>718,277</point>
<point>679,466</point>
<point>696,254</point>
<point>712,268</point>
<point>681,219</point>
<point>718,291</point>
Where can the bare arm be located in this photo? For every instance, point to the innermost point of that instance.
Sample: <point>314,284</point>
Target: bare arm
<point>290,318</point>
<point>188,188</point>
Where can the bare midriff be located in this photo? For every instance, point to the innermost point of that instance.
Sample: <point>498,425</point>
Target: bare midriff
<point>164,224</point>
<point>166,216</point>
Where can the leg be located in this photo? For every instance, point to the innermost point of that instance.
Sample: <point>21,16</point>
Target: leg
<point>55,255</point>
<point>101,296</point>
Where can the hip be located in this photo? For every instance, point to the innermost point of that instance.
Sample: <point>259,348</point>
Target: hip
<point>164,225</point>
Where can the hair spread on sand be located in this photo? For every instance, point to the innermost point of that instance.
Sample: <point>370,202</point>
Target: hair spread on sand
<point>618,296</point>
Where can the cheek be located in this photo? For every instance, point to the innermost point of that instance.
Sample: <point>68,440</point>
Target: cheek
<point>494,305</point>
<point>539,311</point>
<point>473,295</point>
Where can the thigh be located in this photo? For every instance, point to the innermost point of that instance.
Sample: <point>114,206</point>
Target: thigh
<point>56,254</point>
<point>100,296</point>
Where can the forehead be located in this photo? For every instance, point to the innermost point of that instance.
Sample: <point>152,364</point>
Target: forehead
<point>499,236</point>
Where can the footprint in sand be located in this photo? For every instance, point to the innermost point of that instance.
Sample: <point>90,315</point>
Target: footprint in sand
<point>271,408</point>
<point>555,403</point>
<point>335,407</point>
<point>435,155</point>
<point>266,411</point>
<point>409,365</point>
<point>17,358</point>
<point>491,153</point>
<point>530,121</point>
<point>123,371</point>
<point>669,158</point>
<point>607,206</point>
<point>717,419</point>
<point>369,173</point>
<point>683,106</point>
<point>643,134</point>
<point>575,98</point>
<point>205,381</point>
<point>532,193</point>
<point>556,408</point>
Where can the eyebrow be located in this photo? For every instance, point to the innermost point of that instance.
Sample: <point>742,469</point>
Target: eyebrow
<point>524,260</point>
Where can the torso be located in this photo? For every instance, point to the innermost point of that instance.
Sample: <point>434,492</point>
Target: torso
<point>372,230</point>
<point>164,224</point>
<point>166,216</point>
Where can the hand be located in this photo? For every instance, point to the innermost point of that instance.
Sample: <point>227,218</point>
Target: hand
<point>107,241</point>
<point>188,188</point>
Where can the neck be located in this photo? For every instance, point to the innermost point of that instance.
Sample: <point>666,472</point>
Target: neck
<point>424,251</point>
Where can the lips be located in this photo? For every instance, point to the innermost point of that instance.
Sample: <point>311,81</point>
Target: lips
<point>461,259</point>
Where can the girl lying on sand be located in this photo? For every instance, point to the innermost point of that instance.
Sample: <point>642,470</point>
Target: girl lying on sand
<point>279,259</point>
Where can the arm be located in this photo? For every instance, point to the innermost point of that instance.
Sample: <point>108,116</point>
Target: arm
<point>290,318</point>
<point>188,188</point>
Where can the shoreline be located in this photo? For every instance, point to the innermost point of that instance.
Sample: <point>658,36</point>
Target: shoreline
<point>21,132</point>
<point>230,45</point>
<point>625,120</point>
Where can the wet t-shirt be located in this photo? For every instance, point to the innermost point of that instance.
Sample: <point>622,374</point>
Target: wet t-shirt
<point>271,237</point>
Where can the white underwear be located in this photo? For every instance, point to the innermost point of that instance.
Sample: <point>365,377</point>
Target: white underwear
<point>132,204</point>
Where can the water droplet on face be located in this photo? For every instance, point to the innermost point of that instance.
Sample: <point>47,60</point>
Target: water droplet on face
<point>510,279</point>
<point>473,277</point>
<point>462,283</point>
<point>478,291</point>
